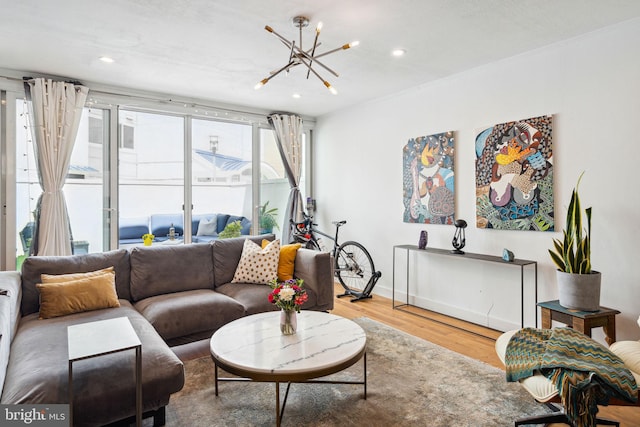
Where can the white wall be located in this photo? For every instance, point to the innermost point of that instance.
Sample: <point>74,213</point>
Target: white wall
<point>590,84</point>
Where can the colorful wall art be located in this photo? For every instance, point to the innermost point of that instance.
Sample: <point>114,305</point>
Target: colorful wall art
<point>514,175</point>
<point>428,179</point>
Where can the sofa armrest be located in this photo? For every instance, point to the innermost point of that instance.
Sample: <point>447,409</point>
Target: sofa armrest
<point>11,283</point>
<point>316,269</point>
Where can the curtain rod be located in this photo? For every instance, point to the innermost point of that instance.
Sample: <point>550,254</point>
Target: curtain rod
<point>188,103</point>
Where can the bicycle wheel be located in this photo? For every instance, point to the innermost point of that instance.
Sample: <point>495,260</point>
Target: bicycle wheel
<point>354,266</point>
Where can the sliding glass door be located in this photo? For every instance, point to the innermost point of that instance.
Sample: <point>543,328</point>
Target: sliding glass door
<point>150,176</point>
<point>140,168</point>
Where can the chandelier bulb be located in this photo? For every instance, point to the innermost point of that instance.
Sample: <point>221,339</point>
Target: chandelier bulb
<point>319,27</point>
<point>261,83</point>
<point>331,88</point>
<point>268,28</point>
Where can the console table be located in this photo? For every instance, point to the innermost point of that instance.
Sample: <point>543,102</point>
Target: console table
<point>521,263</point>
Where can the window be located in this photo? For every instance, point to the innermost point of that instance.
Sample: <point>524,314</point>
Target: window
<point>126,136</point>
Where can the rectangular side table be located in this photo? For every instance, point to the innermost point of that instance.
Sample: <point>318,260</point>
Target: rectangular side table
<point>93,339</point>
<point>583,321</point>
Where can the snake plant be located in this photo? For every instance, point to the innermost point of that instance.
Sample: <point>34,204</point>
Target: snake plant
<point>572,254</point>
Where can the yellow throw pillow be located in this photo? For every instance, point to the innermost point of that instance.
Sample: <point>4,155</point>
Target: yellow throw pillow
<point>257,265</point>
<point>57,278</point>
<point>287,261</point>
<point>75,296</point>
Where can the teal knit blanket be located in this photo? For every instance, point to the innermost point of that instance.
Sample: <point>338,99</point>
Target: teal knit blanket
<point>585,372</point>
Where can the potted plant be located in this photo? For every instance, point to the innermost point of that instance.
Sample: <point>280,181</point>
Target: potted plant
<point>578,284</point>
<point>232,229</point>
<point>267,218</point>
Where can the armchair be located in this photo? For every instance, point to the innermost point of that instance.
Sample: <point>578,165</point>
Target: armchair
<point>543,390</point>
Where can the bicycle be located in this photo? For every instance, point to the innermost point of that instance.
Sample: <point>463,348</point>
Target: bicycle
<point>353,264</point>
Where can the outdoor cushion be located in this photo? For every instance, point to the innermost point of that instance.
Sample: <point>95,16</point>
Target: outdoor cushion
<point>159,224</point>
<point>208,227</point>
<point>130,230</point>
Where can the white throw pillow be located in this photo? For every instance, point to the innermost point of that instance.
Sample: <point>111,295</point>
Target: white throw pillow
<point>208,227</point>
<point>258,265</point>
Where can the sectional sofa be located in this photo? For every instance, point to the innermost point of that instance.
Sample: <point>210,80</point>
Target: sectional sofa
<point>204,227</point>
<point>172,295</point>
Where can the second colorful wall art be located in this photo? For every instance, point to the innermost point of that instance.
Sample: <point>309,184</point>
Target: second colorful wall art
<point>514,175</point>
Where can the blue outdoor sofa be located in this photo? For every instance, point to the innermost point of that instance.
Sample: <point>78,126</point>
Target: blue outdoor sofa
<point>204,227</point>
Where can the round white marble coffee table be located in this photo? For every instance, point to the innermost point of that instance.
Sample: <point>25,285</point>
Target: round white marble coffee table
<point>254,348</point>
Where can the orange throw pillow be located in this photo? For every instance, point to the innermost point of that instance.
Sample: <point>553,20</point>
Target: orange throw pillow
<point>84,292</point>
<point>287,261</point>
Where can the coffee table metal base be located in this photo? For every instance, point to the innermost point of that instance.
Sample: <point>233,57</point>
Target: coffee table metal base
<point>280,410</point>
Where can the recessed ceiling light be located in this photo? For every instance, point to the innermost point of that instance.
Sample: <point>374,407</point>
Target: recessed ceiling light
<point>398,52</point>
<point>296,95</point>
<point>106,59</point>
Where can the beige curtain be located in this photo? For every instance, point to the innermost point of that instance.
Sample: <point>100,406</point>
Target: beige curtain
<point>288,130</point>
<point>56,108</point>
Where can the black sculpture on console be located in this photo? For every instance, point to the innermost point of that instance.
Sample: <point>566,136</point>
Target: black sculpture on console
<point>459,240</point>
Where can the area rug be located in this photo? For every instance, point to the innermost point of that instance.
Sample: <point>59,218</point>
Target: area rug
<point>411,382</point>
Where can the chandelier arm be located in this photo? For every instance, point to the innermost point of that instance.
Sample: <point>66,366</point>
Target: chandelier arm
<point>343,47</point>
<point>315,59</point>
<point>286,43</point>
<point>289,65</point>
<point>302,61</point>
<point>282,39</point>
<point>313,51</point>
<point>293,46</point>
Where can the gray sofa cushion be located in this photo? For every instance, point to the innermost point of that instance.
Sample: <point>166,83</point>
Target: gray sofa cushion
<point>104,387</point>
<point>34,266</point>
<point>226,256</point>
<point>253,297</point>
<point>157,270</point>
<point>184,313</point>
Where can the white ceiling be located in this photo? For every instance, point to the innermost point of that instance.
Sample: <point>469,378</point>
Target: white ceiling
<point>218,49</point>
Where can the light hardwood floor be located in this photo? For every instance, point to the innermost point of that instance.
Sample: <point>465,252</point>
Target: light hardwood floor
<point>472,344</point>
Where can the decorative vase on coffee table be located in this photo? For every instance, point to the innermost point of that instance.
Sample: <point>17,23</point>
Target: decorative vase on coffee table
<point>288,322</point>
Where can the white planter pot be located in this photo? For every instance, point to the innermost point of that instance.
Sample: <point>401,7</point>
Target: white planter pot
<point>579,291</point>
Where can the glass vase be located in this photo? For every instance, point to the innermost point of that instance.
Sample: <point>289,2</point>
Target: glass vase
<point>288,322</point>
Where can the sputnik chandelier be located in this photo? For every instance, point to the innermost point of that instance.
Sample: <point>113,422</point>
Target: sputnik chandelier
<point>299,56</point>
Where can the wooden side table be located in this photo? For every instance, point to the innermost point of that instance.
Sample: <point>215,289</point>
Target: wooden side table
<point>583,321</point>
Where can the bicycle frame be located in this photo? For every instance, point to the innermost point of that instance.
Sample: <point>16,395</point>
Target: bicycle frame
<point>308,228</point>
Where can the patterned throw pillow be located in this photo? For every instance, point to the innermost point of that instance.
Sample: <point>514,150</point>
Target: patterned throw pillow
<point>258,265</point>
